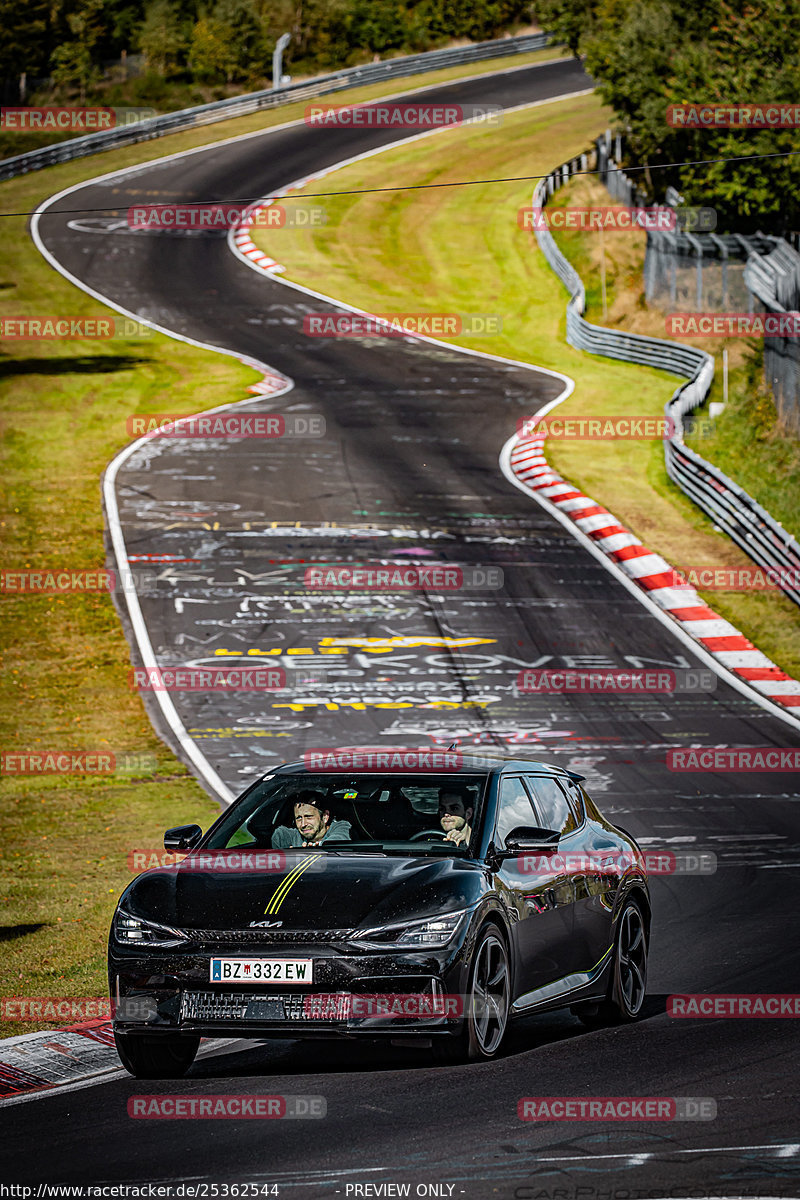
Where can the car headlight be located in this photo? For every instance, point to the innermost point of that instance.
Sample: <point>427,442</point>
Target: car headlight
<point>429,933</point>
<point>133,931</point>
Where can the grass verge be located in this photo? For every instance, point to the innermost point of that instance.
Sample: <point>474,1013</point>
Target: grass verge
<point>459,249</point>
<point>747,441</point>
<point>65,662</point>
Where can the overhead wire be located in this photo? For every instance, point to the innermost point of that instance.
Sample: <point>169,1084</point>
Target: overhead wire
<point>412,187</point>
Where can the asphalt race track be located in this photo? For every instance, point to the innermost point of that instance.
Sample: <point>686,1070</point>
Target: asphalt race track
<point>408,469</point>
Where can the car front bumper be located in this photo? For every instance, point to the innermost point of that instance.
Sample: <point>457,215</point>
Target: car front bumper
<point>384,994</point>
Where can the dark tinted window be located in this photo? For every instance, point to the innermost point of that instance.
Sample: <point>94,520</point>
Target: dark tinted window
<point>367,807</point>
<point>514,808</point>
<point>551,803</point>
<point>592,810</point>
<point>575,796</point>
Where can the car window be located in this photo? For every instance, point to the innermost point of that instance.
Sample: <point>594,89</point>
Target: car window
<point>551,804</point>
<point>355,809</point>
<point>575,796</point>
<point>592,811</point>
<point>424,799</point>
<point>514,808</point>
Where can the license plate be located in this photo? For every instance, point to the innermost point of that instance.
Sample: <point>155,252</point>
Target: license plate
<point>262,970</point>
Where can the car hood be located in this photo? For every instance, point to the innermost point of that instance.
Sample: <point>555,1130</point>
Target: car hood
<point>326,891</point>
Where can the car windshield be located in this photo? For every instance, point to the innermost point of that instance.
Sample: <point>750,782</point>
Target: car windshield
<point>409,814</point>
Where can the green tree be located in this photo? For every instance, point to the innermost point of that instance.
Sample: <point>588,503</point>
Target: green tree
<point>570,21</point>
<point>250,46</point>
<point>377,25</point>
<point>210,57</point>
<point>73,62</point>
<point>652,54</point>
<point>750,59</point>
<point>162,39</point>
<point>228,43</point>
<point>632,63</point>
<point>23,48</point>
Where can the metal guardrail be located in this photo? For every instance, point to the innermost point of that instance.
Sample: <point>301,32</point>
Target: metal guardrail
<point>735,512</point>
<point>774,278</point>
<point>239,106</point>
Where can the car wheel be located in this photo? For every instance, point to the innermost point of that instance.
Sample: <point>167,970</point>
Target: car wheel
<point>165,1057</point>
<point>628,983</point>
<point>487,1002</point>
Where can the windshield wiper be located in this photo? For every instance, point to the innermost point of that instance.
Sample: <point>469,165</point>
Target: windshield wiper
<point>343,846</point>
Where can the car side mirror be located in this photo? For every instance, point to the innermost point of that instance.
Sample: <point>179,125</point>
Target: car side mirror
<point>527,839</point>
<point>182,837</point>
<point>524,839</point>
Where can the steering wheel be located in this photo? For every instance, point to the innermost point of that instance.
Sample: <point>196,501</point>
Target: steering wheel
<point>427,833</point>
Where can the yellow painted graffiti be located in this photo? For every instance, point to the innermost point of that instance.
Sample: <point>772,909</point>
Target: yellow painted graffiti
<point>384,645</point>
<point>371,645</point>
<point>362,705</point>
<point>241,733</point>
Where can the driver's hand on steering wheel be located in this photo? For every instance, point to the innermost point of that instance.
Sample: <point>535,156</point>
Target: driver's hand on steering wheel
<point>459,836</point>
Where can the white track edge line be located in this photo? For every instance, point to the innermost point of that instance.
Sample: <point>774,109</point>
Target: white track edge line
<point>347,162</point>
<point>505,454</point>
<point>169,712</point>
<point>669,623</point>
<point>189,746</point>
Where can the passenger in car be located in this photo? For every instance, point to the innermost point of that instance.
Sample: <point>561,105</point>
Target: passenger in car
<point>455,813</point>
<point>313,824</point>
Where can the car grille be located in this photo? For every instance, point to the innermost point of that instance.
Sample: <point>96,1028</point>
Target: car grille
<point>248,937</point>
<point>273,1006</point>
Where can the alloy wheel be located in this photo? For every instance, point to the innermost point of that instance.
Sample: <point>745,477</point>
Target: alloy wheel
<point>632,961</point>
<point>489,995</point>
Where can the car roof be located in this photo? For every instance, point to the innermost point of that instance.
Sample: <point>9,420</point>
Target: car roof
<point>492,761</point>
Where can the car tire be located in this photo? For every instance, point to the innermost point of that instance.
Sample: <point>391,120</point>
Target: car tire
<point>627,985</point>
<point>152,1057</point>
<point>488,1001</point>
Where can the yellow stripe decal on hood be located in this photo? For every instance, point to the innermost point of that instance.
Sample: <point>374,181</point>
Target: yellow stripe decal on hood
<point>285,886</point>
